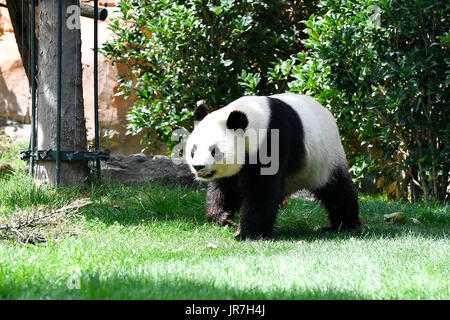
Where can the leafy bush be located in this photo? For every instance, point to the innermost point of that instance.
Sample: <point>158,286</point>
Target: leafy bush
<point>180,52</point>
<point>381,66</point>
<point>383,69</point>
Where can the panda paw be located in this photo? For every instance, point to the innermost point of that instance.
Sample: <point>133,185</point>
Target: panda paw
<point>229,222</point>
<point>248,236</point>
<point>341,227</point>
<point>241,236</point>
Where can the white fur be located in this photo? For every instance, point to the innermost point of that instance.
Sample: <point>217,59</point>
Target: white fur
<point>212,130</point>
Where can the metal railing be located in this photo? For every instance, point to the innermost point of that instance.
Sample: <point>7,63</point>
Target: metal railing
<point>32,154</point>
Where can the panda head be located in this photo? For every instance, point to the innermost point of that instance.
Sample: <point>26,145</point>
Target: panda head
<point>211,151</point>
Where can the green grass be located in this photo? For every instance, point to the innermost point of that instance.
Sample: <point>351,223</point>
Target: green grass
<point>151,242</point>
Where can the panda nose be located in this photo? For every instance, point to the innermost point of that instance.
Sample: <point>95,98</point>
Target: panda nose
<point>198,167</point>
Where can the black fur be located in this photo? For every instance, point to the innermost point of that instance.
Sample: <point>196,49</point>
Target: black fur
<point>340,198</point>
<point>223,200</point>
<point>262,194</point>
<point>237,120</point>
<point>291,139</point>
<point>200,112</point>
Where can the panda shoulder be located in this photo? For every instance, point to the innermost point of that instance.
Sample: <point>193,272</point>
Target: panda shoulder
<point>256,108</point>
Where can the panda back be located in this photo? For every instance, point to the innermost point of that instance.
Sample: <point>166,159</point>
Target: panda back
<point>322,144</point>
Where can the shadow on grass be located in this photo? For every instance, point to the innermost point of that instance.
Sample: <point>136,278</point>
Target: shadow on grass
<point>297,232</point>
<point>143,204</point>
<point>300,220</point>
<point>436,221</point>
<point>93,286</point>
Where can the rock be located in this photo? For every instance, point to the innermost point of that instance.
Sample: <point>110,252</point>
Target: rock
<point>14,89</point>
<point>5,169</point>
<point>17,131</point>
<point>113,108</point>
<point>140,168</point>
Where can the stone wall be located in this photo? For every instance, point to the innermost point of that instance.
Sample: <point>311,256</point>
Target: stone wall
<point>14,89</point>
<point>15,93</point>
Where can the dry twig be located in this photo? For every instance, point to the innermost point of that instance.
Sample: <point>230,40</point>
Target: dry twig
<point>29,230</point>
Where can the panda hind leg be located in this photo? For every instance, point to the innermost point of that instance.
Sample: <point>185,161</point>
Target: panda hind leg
<point>223,200</point>
<point>340,198</point>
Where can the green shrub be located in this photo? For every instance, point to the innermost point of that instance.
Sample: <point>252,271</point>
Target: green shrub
<point>383,69</point>
<point>180,52</point>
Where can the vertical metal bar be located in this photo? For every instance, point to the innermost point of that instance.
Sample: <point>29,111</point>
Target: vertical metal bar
<point>97,136</point>
<point>58,107</point>
<point>33,82</point>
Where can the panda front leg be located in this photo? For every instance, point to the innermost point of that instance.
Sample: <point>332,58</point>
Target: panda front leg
<point>340,198</point>
<point>223,199</point>
<point>261,200</point>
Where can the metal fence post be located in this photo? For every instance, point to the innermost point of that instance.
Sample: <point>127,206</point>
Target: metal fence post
<point>97,136</point>
<point>58,108</point>
<point>33,82</point>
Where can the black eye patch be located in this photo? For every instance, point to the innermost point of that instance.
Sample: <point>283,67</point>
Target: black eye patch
<point>215,153</point>
<point>194,147</point>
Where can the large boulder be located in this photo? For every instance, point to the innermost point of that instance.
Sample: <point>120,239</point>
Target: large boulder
<point>14,88</point>
<point>140,168</point>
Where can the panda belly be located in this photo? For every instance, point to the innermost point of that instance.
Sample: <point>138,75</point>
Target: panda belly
<point>314,174</point>
<point>303,179</point>
<point>296,182</point>
<point>315,171</point>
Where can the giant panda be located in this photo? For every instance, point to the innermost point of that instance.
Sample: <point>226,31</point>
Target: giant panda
<point>310,156</point>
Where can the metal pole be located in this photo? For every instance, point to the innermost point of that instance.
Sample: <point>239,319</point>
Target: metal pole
<point>97,136</point>
<point>58,108</point>
<point>33,83</point>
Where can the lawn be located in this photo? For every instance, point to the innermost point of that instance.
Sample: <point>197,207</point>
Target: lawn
<point>151,242</point>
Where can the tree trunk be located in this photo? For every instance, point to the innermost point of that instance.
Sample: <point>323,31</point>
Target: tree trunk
<point>19,13</point>
<point>73,129</point>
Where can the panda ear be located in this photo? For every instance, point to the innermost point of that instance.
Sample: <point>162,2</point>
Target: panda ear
<point>200,112</point>
<point>237,120</point>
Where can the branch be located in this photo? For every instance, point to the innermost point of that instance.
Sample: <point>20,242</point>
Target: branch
<point>85,11</point>
<point>26,236</point>
<point>32,222</point>
<point>88,12</point>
